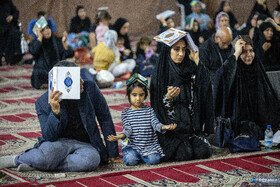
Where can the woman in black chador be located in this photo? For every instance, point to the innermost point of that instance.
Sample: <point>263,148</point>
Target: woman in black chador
<point>9,32</point>
<point>243,89</point>
<point>181,93</point>
<point>47,50</point>
<point>268,46</point>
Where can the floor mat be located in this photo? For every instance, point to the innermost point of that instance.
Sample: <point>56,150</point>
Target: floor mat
<point>19,129</point>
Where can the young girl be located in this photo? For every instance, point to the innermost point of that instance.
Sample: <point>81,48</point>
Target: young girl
<point>102,20</point>
<point>140,125</point>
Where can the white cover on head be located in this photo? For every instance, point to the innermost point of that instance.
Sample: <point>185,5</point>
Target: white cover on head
<point>110,40</point>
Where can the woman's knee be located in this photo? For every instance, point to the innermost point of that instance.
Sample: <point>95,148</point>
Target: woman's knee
<point>184,152</point>
<point>201,147</point>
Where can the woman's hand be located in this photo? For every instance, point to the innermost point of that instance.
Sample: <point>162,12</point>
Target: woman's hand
<point>239,46</point>
<point>40,35</point>
<point>172,92</point>
<point>54,101</point>
<point>277,27</point>
<point>194,56</point>
<point>169,127</point>
<point>64,40</point>
<point>266,46</point>
<point>9,18</point>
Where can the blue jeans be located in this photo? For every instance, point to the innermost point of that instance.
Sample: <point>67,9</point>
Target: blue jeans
<point>131,157</point>
<point>61,155</point>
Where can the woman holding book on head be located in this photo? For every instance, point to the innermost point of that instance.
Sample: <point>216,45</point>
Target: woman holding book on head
<point>47,50</point>
<point>180,92</point>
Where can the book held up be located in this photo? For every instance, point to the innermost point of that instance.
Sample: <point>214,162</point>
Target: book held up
<point>65,80</point>
<point>171,36</point>
<point>165,14</point>
<point>41,23</point>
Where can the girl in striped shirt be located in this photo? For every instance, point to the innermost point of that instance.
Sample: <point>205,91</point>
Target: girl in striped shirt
<point>140,125</point>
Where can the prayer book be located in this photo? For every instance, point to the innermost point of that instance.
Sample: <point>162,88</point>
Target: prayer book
<point>65,80</point>
<point>40,23</point>
<point>189,21</point>
<point>165,14</point>
<point>172,35</point>
<point>102,8</point>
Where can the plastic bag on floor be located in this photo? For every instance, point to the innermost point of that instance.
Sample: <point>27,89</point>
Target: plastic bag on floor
<point>104,79</point>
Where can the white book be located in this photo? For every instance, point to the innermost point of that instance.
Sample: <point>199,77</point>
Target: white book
<point>165,14</point>
<point>65,80</point>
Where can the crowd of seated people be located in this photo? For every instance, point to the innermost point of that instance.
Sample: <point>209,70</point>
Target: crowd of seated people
<point>189,89</point>
<point>84,34</point>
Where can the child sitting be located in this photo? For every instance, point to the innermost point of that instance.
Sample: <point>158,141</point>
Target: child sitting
<point>123,51</point>
<point>140,125</point>
<point>126,65</point>
<point>102,20</point>
<point>145,58</point>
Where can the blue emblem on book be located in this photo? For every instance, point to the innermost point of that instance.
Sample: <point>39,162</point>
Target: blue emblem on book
<point>50,85</point>
<point>68,81</point>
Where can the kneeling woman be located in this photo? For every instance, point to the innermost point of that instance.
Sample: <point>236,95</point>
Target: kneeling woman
<point>243,91</point>
<point>181,93</point>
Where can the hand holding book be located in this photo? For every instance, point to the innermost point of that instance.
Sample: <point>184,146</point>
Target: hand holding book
<point>194,56</point>
<point>54,101</point>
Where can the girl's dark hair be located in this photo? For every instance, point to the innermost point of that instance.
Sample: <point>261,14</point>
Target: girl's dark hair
<point>132,86</point>
<point>144,40</point>
<point>102,15</point>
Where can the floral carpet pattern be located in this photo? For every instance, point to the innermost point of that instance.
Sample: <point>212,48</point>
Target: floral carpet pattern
<point>19,129</point>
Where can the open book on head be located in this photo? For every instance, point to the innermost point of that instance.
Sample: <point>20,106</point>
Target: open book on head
<point>171,36</point>
<point>41,23</point>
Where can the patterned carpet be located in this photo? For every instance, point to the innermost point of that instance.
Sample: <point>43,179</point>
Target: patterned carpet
<point>19,129</point>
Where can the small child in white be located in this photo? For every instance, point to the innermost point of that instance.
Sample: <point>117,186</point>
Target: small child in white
<point>140,125</point>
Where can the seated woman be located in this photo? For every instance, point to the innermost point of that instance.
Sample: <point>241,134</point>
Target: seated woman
<point>251,26</point>
<point>47,50</point>
<point>226,7</point>
<point>268,46</point>
<point>181,93</point>
<point>106,52</point>
<point>244,94</point>
<point>261,7</point>
<point>79,29</point>
<point>121,26</point>
<point>195,32</point>
<point>127,65</point>
<point>222,20</point>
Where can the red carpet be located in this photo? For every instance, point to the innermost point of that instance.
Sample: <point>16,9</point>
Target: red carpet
<point>19,129</point>
<point>231,172</point>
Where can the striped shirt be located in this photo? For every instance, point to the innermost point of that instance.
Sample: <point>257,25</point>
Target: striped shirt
<point>140,127</point>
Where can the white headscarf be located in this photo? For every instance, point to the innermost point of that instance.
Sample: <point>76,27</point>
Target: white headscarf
<point>110,40</point>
